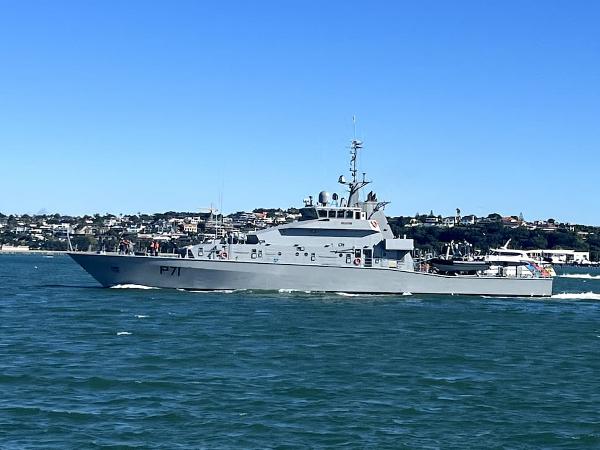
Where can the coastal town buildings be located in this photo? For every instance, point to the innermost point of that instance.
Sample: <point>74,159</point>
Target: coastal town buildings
<point>176,229</point>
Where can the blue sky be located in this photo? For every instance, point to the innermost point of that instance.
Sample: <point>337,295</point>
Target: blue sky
<point>152,106</point>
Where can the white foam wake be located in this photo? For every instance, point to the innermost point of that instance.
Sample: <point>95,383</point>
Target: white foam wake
<point>583,276</point>
<point>291,291</point>
<point>123,333</point>
<point>215,291</point>
<point>350,294</point>
<point>577,296</point>
<point>132,286</point>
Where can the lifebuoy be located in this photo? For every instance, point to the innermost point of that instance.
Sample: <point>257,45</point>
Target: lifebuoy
<point>374,223</point>
<point>223,254</point>
<point>357,262</point>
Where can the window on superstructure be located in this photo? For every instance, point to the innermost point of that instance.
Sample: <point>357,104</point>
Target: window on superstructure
<point>340,214</point>
<point>332,214</point>
<point>349,214</point>
<point>308,213</point>
<point>322,213</point>
<point>357,215</point>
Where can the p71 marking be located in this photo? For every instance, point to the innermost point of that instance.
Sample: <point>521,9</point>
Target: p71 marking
<point>170,270</point>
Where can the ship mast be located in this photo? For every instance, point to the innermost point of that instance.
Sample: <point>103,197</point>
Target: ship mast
<point>355,185</point>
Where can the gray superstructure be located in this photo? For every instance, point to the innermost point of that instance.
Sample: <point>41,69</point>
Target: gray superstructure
<point>339,246</point>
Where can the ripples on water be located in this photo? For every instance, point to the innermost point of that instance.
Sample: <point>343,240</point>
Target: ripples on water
<point>85,367</point>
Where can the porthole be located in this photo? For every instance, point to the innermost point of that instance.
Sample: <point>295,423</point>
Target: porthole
<point>297,254</point>
<point>306,254</point>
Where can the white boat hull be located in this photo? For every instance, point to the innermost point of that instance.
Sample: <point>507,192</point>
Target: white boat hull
<point>168,272</point>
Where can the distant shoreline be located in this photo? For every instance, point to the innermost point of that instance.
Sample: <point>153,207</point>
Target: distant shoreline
<point>32,252</point>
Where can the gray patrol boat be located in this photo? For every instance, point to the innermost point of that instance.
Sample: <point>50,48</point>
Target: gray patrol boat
<point>335,246</point>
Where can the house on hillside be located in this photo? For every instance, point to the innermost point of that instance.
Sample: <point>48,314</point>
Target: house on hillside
<point>449,221</point>
<point>190,227</point>
<point>431,221</point>
<point>468,220</point>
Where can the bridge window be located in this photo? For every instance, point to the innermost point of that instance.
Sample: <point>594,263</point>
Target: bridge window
<point>332,214</point>
<point>308,213</point>
<point>322,213</point>
<point>348,214</point>
<point>340,214</point>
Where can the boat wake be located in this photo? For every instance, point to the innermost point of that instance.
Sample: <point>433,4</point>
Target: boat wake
<point>215,291</point>
<point>582,276</point>
<point>577,296</point>
<point>365,294</point>
<point>132,286</point>
<point>293,291</point>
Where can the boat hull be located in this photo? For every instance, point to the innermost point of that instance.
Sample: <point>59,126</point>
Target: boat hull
<point>195,274</point>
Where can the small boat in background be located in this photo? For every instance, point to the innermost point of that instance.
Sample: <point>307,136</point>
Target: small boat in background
<point>513,261</point>
<point>458,260</point>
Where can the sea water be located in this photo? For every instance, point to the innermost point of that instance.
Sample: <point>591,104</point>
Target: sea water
<point>87,367</point>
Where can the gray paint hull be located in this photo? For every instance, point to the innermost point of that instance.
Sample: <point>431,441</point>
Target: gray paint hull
<point>166,272</point>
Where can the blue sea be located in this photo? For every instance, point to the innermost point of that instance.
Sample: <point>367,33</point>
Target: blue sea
<point>87,367</point>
